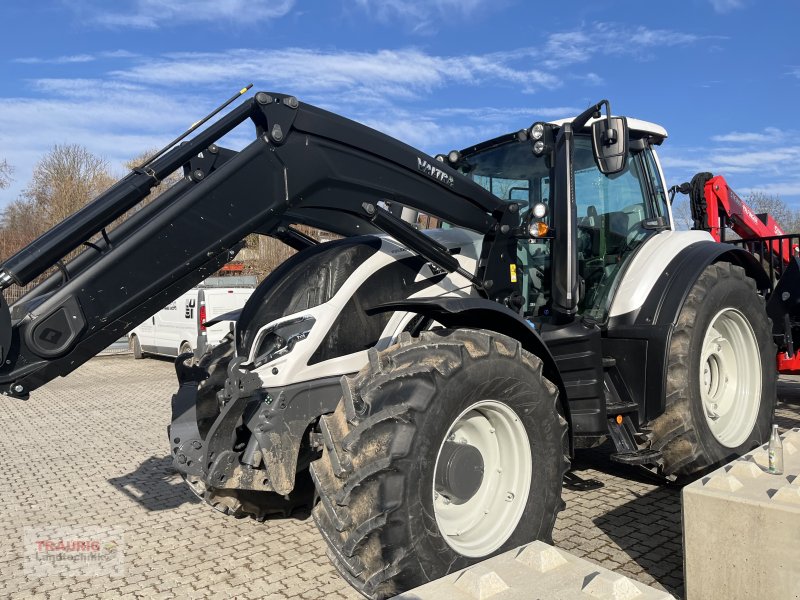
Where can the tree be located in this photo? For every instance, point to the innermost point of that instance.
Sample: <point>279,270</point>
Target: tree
<point>19,225</point>
<point>787,217</point>
<point>5,174</point>
<point>67,178</point>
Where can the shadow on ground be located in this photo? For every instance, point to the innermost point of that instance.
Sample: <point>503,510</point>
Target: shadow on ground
<point>648,530</point>
<point>155,485</point>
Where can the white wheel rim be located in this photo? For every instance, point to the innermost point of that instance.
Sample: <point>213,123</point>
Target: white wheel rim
<point>483,523</point>
<point>730,377</point>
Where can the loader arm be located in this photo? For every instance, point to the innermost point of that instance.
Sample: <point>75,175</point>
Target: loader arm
<point>305,165</point>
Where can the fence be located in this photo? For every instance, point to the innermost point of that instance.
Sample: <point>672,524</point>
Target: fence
<point>775,253</point>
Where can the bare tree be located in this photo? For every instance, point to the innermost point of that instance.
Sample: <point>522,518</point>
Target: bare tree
<point>5,174</point>
<point>67,178</point>
<point>681,213</point>
<point>787,217</point>
<point>19,225</point>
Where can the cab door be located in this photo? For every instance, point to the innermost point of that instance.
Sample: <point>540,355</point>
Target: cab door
<point>615,215</point>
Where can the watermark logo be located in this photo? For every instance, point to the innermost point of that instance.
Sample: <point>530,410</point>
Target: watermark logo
<point>74,550</point>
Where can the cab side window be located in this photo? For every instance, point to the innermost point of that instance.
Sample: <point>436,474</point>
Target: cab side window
<point>611,211</point>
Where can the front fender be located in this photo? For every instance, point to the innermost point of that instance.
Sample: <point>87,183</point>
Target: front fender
<point>479,313</point>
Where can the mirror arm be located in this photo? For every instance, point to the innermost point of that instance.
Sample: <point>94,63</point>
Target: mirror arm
<point>580,121</point>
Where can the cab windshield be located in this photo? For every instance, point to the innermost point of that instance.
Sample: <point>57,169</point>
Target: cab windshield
<point>513,173</point>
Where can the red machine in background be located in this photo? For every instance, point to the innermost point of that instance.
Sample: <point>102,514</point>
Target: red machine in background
<point>715,208</point>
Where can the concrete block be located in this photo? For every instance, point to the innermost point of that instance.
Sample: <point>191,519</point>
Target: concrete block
<point>741,529</point>
<point>535,571</point>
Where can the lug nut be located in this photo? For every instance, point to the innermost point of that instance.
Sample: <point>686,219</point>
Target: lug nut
<point>196,445</point>
<point>181,459</point>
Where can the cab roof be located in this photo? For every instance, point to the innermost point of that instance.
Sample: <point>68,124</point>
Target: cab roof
<point>652,130</point>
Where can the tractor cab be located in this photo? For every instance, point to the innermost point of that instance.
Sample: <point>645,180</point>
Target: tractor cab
<point>603,223</point>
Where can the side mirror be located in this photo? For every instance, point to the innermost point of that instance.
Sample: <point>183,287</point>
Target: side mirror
<point>610,144</point>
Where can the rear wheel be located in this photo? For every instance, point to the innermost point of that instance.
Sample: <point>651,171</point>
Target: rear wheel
<point>444,450</point>
<point>720,375</point>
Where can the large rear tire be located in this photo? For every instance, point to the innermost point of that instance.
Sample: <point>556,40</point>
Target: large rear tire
<point>721,375</point>
<point>444,450</point>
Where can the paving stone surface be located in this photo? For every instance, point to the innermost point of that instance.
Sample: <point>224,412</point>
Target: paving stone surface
<point>90,450</point>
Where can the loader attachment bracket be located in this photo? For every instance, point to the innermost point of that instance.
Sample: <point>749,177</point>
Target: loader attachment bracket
<point>53,335</point>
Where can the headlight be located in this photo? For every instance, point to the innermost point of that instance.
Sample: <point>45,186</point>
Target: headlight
<point>539,210</point>
<point>538,147</point>
<point>454,156</point>
<point>281,338</point>
<point>538,229</point>
<point>537,131</point>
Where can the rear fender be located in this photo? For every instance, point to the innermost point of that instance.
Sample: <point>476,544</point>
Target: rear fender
<point>654,321</point>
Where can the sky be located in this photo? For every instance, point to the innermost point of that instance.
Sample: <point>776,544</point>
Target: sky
<point>124,76</point>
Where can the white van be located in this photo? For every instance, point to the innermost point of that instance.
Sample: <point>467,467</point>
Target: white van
<point>177,328</point>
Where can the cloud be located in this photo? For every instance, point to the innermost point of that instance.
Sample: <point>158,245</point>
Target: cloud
<point>423,16</point>
<point>765,161</point>
<point>74,58</point>
<point>409,71</point>
<point>372,75</point>
<point>724,6</point>
<point>58,60</point>
<point>611,39</point>
<point>442,129</point>
<point>137,102</point>
<point>153,14</point>
<point>786,188</point>
<point>770,134</point>
<point>113,120</point>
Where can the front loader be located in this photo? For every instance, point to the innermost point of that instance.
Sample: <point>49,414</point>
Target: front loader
<point>428,387</point>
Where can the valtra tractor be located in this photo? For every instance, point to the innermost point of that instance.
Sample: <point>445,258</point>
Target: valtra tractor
<point>424,390</point>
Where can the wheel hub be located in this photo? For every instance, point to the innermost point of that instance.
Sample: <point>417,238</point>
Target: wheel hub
<point>459,473</point>
<point>482,478</point>
<point>730,377</point>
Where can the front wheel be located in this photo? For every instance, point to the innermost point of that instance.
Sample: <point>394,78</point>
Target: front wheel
<point>720,375</point>
<point>445,450</point>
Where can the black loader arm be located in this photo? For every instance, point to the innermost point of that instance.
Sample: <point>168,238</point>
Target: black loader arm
<point>305,165</point>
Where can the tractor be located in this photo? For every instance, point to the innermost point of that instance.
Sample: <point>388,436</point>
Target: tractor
<point>423,390</point>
